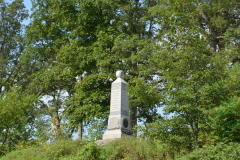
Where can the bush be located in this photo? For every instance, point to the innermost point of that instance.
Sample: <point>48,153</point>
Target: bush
<point>63,148</point>
<point>52,151</point>
<point>90,151</point>
<point>221,152</point>
<point>124,148</point>
<point>30,153</point>
<point>131,148</point>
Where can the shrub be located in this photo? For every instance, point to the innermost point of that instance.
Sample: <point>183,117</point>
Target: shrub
<point>89,151</point>
<point>30,153</point>
<point>220,151</point>
<point>63,148</point>
<point>131,148</point>
<point>52,151</point>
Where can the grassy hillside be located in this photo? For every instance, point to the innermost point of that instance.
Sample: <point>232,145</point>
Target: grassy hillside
<point>124,148</point>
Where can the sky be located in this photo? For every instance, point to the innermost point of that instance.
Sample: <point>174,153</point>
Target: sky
<point>28,6</point>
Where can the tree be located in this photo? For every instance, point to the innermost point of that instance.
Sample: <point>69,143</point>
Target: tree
<point>120,37</point>
<point>198,41</point>
<point>224,119</point>
<point>92,39</point>
<point>52,79</point>
<point>17,109</point>
<point>17,114</point>
<point>12,43</point>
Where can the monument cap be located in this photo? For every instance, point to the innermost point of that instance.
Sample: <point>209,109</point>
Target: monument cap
<point>120,74</point>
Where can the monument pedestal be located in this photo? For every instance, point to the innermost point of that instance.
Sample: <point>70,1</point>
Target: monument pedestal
<point>102,143</point>
<point>119,120</point>
<point>111,135</point>
<point>117,133</point>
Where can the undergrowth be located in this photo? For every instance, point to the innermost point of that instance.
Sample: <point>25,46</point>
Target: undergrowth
<point>124,148</point>
<point>220,152</point>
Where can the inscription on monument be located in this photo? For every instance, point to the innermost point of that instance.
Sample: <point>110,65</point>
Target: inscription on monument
<point>125,100</point>
<point>115,100</point>
<point>116,87</point>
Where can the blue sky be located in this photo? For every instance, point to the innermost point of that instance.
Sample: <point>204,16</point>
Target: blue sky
<point>28,6</point>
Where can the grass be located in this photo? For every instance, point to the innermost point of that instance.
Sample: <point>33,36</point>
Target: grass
<point>130,148</point>
<point>53,151</point>
<point>124,148</point>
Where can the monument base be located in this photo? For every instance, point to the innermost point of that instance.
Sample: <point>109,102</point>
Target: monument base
<point>116,133</point>
<point>111,135</point>
<point>102,143</point>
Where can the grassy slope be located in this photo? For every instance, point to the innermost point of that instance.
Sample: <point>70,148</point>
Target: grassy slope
<point>124,148</point>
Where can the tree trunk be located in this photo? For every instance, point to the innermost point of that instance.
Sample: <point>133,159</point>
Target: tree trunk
<point>133,119</point>
<point>80,126</point>
<point>80,130</point>
<point>195,132</point>
<point>58,126</point>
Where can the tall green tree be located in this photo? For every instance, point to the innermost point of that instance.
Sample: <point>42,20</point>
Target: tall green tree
<point>198,41</point>
<point>53,80</point>
<point>12,43</point>
<point>225,118</point>
<point>17,115</point>
<point>17,109</point>
<point>121,36</point>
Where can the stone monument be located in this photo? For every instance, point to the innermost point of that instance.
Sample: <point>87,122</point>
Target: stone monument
<point>119,120</point>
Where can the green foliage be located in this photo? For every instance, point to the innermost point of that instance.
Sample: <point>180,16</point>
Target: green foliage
<point>221,151</point>
<point>119,36</point>
<point>222,124</point>
<point>56,150</point>
<point>12,44</point>
<point>131,148</point>
<point>90,101</point>
<point>124,148</point>
<point>174,53</point>
<point>173,131</point>
<point>193,58</point>
<point>63,148</point>
<point>96,130</point>
<point>193,81</point>
<point>226,121</point>
<point>17,114</point>
<point>28,154</point>
<point>53,83</point>
<point>89,151</point>
<point>52,79</point>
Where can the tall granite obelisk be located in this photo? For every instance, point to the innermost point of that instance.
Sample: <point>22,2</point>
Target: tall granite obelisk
<point>119,120</point>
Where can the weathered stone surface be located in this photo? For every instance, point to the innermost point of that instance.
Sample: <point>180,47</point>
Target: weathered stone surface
<point>114,134</point>
<point>119,120</point>
<point>102,143</point>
